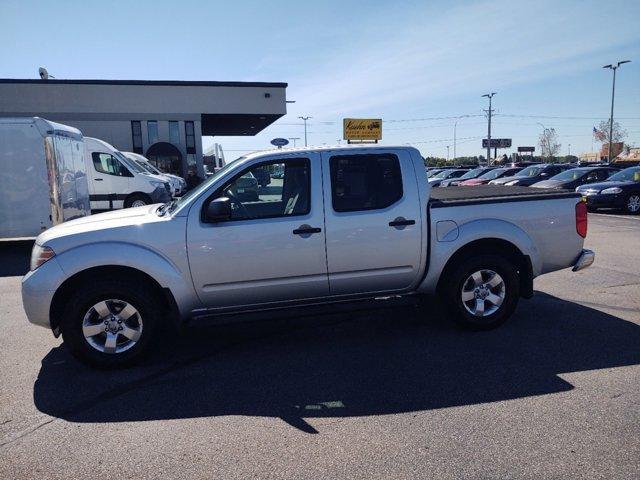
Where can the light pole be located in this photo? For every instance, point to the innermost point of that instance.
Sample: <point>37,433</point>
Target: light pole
<point>294,140</point>
<point>304,119</point>
<point>489,96</point>
<point>447,153</point>
<point>613,94</point>
<point>455,126</point>
<point>569,149</point>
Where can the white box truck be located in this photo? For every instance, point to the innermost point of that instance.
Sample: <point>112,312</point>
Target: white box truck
<point>43,176</point>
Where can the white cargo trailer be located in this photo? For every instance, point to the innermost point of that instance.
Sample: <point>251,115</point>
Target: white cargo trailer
<point>43,176</point>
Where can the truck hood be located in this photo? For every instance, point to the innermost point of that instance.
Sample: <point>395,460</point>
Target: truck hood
<point>102,223</point>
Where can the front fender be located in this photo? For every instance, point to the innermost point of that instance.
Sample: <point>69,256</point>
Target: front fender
<point>158,266</point>
<point>483,229</point>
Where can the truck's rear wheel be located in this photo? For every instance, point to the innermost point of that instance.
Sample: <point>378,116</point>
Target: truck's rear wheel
<point>482,292</point>
<point>110,323</point>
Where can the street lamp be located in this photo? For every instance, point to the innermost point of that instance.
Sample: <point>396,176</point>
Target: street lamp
<point>613,94</point>
<point>304,119</point>
<point>455,126</point>
<point>489,96</point>
<point>447,153</point>
<point>569,149</point>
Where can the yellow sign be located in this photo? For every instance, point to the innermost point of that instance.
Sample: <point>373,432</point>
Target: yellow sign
<point>362,128</point>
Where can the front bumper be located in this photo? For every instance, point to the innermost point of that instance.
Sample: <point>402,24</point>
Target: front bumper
<point>38,289</point>
<point>585,259</point>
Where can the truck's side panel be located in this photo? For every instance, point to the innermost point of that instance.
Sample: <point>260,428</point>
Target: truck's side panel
<point>544,230</point>
<point>24,181</point>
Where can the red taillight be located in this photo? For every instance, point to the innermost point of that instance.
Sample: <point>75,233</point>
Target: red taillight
<point>581,219</point>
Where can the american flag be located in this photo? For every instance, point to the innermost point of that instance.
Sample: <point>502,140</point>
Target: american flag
<point>599,134</point>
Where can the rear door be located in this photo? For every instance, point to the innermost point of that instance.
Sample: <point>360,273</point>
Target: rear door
<point>372,221</point>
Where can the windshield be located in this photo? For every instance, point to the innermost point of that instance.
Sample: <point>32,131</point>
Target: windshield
<point>472,173</point>
<point>143,166</point>
<point>431,173</point>
<point>491,174</point>
<point>569,175</point>
<point>532,171</point>
<point>129,163</point>
<point>151,168</point>
<point>186,198</point>
<point>627,175</point>
<point>442,174</point>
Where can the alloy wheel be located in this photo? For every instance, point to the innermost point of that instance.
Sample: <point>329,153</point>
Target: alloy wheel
<point>483,292</point>
<point>112,326</point>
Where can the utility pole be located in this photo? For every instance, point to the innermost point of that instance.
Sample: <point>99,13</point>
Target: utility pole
<point>293,139</point>
<point>613,94</point>
<point>489,112</point>
<point>304,119</point>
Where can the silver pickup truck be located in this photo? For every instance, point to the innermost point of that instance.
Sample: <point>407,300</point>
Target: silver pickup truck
<point>338,226</point>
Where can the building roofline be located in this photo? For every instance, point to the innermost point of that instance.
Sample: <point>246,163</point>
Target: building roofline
<point>173,83</point>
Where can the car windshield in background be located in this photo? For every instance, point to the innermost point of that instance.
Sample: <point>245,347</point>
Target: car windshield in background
<point>492,174</point>
<point>186,198</point>
<point>129,163</point>
<point>627,175</point>
<point>442,174</point>
<point>569,175</point>
<point>471,173</point>
<point>532,171</point>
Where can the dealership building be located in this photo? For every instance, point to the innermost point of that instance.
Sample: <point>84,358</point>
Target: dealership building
<point>162,120</point>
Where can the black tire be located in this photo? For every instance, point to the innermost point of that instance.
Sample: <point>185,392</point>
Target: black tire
<point>457,278</point>
<point>142,297</point>
<point>137,197</point>
<point>627,203</point>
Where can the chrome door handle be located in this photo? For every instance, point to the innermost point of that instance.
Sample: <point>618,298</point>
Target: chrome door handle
<point>98,179</point>
<point>306,230</point>
<point>401,222</point>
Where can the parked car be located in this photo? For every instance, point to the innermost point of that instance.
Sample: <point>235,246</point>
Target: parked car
<point>370,228</point>
<point>531,175</point>
<point>474,173</point>
<point>178,184</point>
<point>574,177</point>
<point>437,179</point>
<point>490,175</point>
<point>246,187</point>
<point>621,191</point>
<point>43,176</point>
<point>117,182</point>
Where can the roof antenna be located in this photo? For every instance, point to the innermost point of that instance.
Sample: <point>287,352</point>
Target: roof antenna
<point>44,75</point>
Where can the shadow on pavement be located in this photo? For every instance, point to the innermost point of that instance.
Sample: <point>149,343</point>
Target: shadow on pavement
<point>371,363</point>
<point>14,258</point>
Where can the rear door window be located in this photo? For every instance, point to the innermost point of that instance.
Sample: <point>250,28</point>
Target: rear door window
<point>365,182</point>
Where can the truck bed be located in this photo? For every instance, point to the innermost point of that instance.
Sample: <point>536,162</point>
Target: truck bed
<point>453,196</point>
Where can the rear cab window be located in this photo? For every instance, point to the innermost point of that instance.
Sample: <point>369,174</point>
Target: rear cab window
<point>365,182</point>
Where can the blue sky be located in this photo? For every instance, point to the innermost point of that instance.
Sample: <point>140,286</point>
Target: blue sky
<point>410,63</point>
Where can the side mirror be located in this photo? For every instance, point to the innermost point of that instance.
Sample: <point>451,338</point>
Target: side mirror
<point>218,210</point>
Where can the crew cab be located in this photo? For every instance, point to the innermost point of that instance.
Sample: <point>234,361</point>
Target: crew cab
<point>345,225</point>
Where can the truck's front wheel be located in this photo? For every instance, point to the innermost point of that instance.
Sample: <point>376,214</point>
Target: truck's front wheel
<point>110,323</point>
<point>482,292</point>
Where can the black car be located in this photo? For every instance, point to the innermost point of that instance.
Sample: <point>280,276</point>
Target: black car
<point>475,173</point>
<point>438,178</point>
<point>531,175</point>
<point>573,178</point>
<point>621,190</point>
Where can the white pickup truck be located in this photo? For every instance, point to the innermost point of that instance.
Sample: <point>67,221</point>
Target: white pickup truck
<point>342,225</point>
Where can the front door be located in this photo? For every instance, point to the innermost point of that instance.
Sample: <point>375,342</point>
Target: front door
<point>109,181</point>
<point>373,222</point>
<point>273,248</point>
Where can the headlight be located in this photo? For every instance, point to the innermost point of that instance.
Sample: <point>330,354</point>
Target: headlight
<point>512,183</point>
<point>611,191</point>
<point>39,255</point>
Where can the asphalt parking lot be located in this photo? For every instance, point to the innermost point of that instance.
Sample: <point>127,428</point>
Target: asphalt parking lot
<point>382,394</point>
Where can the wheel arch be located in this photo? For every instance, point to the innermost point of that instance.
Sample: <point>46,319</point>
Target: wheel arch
<point>66,289</point>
